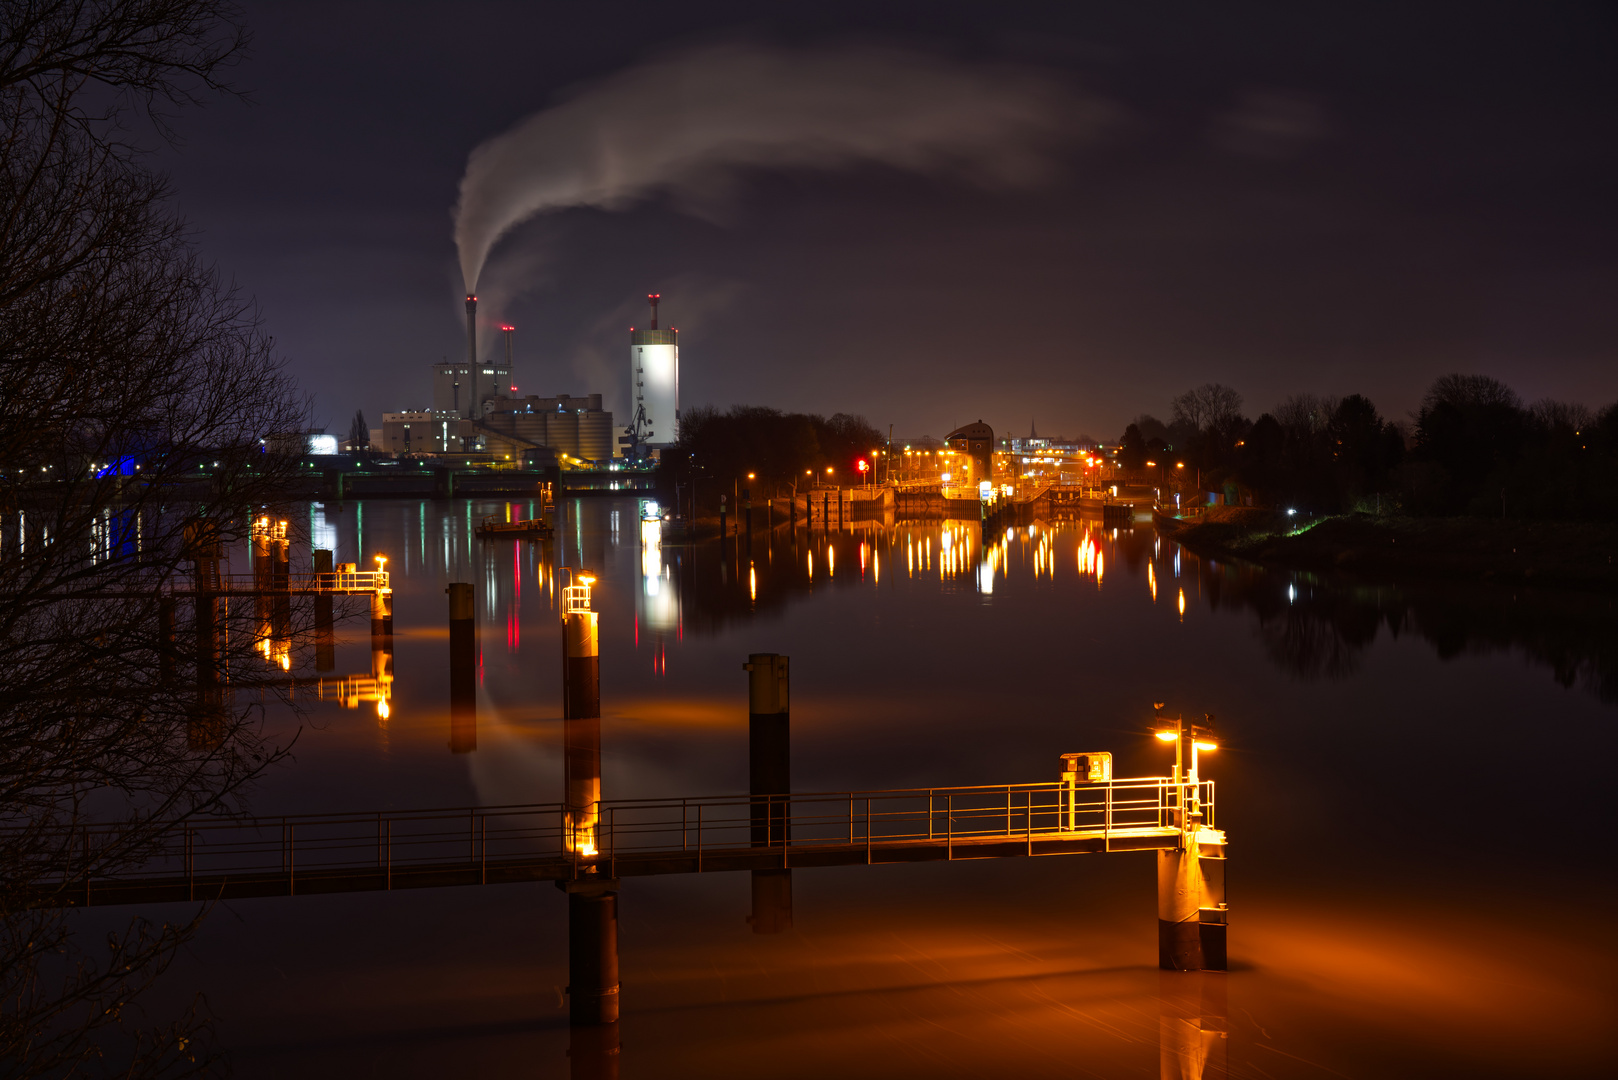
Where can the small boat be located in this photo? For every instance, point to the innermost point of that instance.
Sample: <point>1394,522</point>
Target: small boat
<point>530,527</point>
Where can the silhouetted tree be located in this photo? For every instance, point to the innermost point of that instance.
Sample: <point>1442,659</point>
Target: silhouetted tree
<point>1132,449</point>
<point>359,432</point>
<point>1471,427</point>
<point>1153,428</point>
<point>783,450</point>
<point>125,365</point>
<point>1208,405</point>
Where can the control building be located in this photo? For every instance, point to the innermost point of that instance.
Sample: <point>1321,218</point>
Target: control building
<point>976,441</point>
<point>460,389</point>
<point>410,433</point>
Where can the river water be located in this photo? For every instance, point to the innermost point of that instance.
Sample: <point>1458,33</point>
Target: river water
<point>1414,781</point>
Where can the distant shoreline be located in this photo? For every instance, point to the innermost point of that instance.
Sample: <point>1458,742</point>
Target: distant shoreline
<point>1566,555</point>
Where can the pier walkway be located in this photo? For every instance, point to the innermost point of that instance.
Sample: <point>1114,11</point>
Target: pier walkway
<point>302,855</point>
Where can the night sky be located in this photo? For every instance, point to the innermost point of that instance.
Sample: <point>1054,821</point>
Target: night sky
<point>1279,197</point>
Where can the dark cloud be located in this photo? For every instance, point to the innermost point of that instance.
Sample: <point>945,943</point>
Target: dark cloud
<point>1294,199</point>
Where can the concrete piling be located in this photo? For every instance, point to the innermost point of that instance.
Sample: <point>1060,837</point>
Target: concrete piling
<point>463,703</point>
<point>592,1052</point>
<point>769,774</point>
<point>592,951</point>
<point>325,636</point>
<point>1191,907</point>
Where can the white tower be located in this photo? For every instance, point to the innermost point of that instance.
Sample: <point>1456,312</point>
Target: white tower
<point>654,378</point>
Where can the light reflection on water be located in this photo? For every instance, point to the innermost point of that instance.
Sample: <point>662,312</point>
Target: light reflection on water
<point>1386,918</point>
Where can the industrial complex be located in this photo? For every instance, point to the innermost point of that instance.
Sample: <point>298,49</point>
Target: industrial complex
<point>478,417</point>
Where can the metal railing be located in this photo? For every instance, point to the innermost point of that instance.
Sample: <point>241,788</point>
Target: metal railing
<point>391,842</point>
<point>363,581</point>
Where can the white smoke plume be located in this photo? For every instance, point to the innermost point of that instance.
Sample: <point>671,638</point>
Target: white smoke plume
<point>684,121</point>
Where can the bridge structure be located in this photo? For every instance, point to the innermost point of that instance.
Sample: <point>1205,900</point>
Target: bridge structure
<point>1058,501</point>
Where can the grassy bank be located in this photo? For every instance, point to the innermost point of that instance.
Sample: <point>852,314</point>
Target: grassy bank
<point>1561,554</point>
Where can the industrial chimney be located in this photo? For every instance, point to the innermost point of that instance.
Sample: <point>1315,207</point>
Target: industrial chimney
<point>475,401</point>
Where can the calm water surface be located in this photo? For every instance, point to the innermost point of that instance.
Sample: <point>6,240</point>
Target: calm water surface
<point>1414,783</point>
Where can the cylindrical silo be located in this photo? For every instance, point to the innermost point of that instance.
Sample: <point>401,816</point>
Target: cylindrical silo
<point>595,435</point>
<point>562,432</point>
<point>654,381</point>
<point>531,426</point>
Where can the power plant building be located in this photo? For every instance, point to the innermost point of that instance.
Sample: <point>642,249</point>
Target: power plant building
<point>475,410</point>
<point>654,380</point>
<point>459,388</point>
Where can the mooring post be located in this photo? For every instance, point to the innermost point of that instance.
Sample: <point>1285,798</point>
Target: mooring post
<point>281,561</point>
<point>463,701</point>
<point>592,950</point>
<point>325,639</point>
<point>747,499</point>
<point>281,580</point>
<point>592,1051</point>
<point>581,717</point>
<point>592,902</point>
<point>769,774</point>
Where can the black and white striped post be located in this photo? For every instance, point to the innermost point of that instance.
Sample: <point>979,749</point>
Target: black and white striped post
<point>592,897</point>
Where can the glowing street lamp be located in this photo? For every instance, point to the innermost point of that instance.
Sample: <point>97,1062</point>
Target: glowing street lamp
<point>1195,738</point>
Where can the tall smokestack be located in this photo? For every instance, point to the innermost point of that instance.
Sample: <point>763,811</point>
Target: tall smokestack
<point>472,353</point>
<point>653,298</point>
<point>511,372</point>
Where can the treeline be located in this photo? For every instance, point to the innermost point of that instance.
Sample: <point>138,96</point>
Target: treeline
<point>780,449</point>
<point>1473,448</point>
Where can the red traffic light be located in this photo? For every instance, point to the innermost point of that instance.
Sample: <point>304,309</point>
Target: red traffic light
<point>864,465</point>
